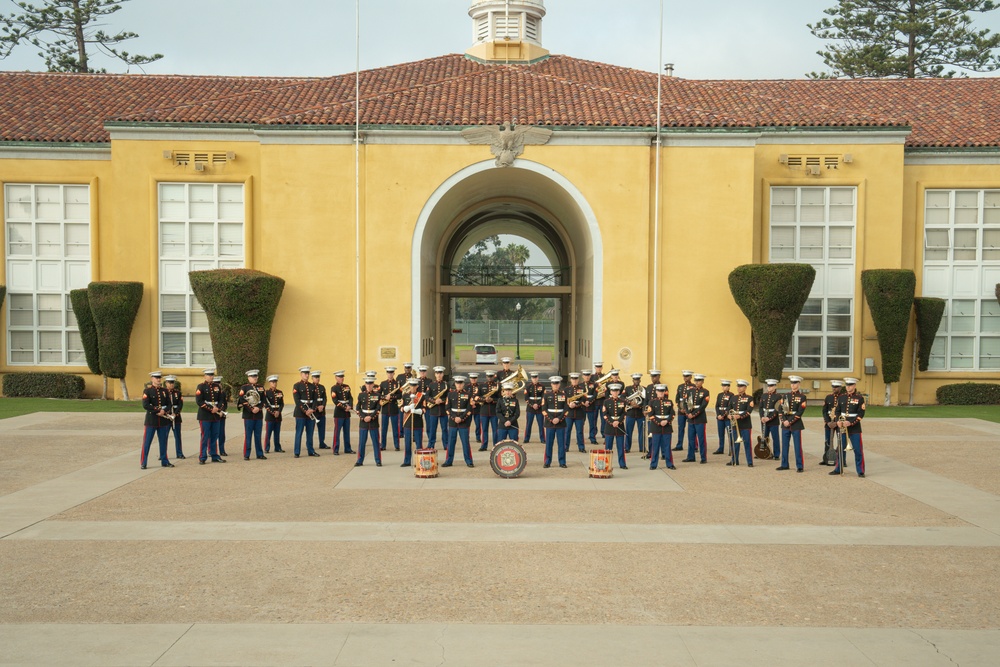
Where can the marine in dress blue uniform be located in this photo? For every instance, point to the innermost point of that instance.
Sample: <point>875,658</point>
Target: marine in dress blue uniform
<point>723,404</point>
<point>274,403</point>
<point>791,424</point>
<point>576,415</point>
<point>304,399</point>
<point>253,415</point>
<point>554,406</point>
<point>474,389</point>
<point>319,392</point>
<point>343,404</point>
<point>697,419</point>
<point>368,410</point>
<point>680,404</point>
<point>174,407</point>
<point>488,409</point>
<point>830,423</point>
<point>534,395</point>
<point>390,390</point>
<point>600,395</point>
<point>207,398</point>
<point>769,422</point>
<point>223,412</point>
<point>635,420</point>
<point>850,411</point>
<point>660,411</point>
<point>459,413</point>
<point>412,422</point>
<point>654,376</point>
<point>154,402</point>
<point>742,404</point>
<point>436,413</point>
<point>591,406</point>
<point>508,411</point>
<point>614,422</point>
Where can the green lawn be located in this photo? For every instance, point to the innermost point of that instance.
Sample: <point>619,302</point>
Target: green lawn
<point>14,407</point>
<point>527,351</point>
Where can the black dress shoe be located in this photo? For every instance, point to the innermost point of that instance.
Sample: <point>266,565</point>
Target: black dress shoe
<point>336,453</point>
<point>324,446</point>
<point>246,458</point>
<point>397,449</point>
<point>861,474</point>
<point>482,449</point>
<point>718,451</point>
<point>143,466</point>
<point>446,465</point>
<point>358,464</point>
<point>687,460</point>
<point>262,458</point>
<point>313,454</point>
<point>180,456</point>
<point>652,467</point>
<point>168,464</point>
<point>624,467</point>
<point>546,465</point>
<point>749,465</point>
<point>471,465</point>
<point>678,449</point>
<point>671,467</point>
<point>405,465</point>
<point>378,464</point>
<point>200,462</point>
<point>775,458</point>
<point>349,451</point>
<point>563,465</point>
<point>730,463</point>
<point>799,470</point>
<point>296,456</point>
<point>279,450</point>
<point>782,468</point>
<point>703,461</point>
<point>833,472</point>
<point>218,460</point>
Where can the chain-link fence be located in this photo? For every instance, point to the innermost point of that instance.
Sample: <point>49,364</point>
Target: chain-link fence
<point>503,332</point>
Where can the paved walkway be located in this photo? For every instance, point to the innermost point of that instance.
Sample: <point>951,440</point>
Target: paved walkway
<point>26,520</point>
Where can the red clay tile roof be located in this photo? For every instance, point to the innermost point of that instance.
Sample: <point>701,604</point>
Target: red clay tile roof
<point>453,90</point>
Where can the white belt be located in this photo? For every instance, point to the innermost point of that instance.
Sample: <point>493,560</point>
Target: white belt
<point>554,410</point>
<point>369,412</point>
<point>850,415</point>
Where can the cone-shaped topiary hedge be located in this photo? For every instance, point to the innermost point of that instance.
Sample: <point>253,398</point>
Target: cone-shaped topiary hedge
<point>3,293</point>
<point>240,305</point>
<point>930,311</point>
<point>889,293</point>
<point>771,296</point>
<point>114,306</point>
<point>88,330</point>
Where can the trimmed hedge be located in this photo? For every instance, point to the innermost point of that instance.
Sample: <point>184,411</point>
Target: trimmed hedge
<point>771,296</point>
<point>996,292</point>
<point>114,306</point>
<point>88,330</point>
<point>968,393</point>
<point>3,293</point>
<point>930,312</point>
<point>42,385</point>
<point>240,305</point>
<point>889,293</point>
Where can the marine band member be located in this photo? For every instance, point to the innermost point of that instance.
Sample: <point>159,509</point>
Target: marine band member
<point>319,393</point>
<point>207,398</point>
<point>660,412</point>
<point>614,422</point>
<point>769,421</point>
<point>791,424</point>
<point>368,411</point>
<point>723,403</point>
<point>680,404</point>
<point>697,419</point>
<point>174,407</point>
<point>852,406</point>
<point>436,413</point>
<point>554,406</point>
<point>155,398</point>
<point>534,395</point>
<point>253,416</point>
<point>390,391</point>
<point>460,415</point>
<point>830,423</point>
<point>576,416</point>
<point>412,423</point>
<point>274,403</point>
<point>304,399</point>
<point>508,411</point>
<point>742,405</point>
<point>343,404</point>
<point>634,413</point>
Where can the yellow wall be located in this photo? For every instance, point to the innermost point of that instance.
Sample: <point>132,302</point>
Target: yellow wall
<point>301,226</point>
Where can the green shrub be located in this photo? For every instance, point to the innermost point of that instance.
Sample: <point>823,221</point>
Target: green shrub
<point>114,306</point>
<point>240,305</point>
<point>3,293</point>
<point>996,293</point>
<point>969,393</point>
<point>771,296</point>
<point>889,293</point>
<point>42,385</point>
<point>88,330</point>
<point>930,311</point>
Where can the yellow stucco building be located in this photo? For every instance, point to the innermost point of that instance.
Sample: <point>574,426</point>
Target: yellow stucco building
<point>145,178</point>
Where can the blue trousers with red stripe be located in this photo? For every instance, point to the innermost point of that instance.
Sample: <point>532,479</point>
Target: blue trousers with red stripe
<point>209,440</point>
<point>364,434</point>
<point>696,439</point>
<point>575,426</point>
<point>161,433</point>
<point>747,435</point>
<point>176,428</point>
<point>342,425</point>
<point>251,431</point>
<point>532,417</point>
<point>592,421</point>
<point>412,439</point>
<point>387,422</point>
<point>609,444</point>
<point>661,447</point>
<point>307,426</point>
<point>507,433</point>
<point>789,437</point>
<point>859,454</point>
<point>272,428</point>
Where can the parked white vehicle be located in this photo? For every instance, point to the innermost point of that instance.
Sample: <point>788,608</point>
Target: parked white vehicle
<point>486,354</point>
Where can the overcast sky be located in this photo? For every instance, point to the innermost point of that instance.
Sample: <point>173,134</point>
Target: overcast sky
<point>714,39</point>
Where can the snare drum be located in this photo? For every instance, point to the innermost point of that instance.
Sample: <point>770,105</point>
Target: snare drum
<point>508,459</point>
<point>425,463</point>
<point>600,463</point>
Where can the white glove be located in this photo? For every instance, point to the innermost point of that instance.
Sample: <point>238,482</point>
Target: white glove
<point>418,411</point>
<point>407,408</point>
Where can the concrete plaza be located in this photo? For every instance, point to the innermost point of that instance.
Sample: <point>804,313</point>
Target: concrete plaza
<point>313,561</point>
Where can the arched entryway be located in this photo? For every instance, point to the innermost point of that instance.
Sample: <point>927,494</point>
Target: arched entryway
<point>528,200</point>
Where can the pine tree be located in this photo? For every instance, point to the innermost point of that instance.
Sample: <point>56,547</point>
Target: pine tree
<point>64,30</point>
<point>905,39</point>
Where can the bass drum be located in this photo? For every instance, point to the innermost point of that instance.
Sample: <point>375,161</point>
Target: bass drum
<point>508,459</point>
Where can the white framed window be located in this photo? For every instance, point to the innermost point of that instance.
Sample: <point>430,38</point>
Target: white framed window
<point>507,27</point>
<point>816,226</point>
<point>48,254</point>
<point>962,266</point>
<point>201,228</point>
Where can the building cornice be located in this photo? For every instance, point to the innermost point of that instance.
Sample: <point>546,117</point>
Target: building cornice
<point>45,151</point>
<point>915,157</point>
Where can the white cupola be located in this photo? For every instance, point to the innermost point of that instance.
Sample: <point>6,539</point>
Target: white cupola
<point>507,30</point>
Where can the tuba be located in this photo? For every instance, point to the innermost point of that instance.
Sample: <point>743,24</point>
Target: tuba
<point>252,398</point>
<point>602,386</point>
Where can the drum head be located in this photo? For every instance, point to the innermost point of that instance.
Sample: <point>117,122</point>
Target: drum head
<point>508,459</point>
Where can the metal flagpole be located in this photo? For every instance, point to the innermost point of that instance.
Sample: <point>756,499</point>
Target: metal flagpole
<point>656,205</point>
<point>357,186</point>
